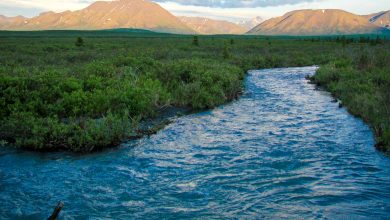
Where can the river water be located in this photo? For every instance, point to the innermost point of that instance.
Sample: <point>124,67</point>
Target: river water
<point>283,150</point>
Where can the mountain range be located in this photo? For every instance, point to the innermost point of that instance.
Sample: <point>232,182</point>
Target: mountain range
<point>137,14</point>
<point>144,14</point>
<point>317,22</point>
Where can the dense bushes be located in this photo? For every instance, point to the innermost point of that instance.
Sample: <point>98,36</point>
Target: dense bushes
<point>51,110</point>
<point>100,103</point>
<point>97,106</point>
<point>56,95</point>
<point>199,83</point>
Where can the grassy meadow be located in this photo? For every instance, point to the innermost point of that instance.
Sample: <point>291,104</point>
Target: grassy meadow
<point>58,92</point>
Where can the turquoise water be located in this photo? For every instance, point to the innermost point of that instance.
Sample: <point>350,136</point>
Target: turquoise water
<point>283,150</point>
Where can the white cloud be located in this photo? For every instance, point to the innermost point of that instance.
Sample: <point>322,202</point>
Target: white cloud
<point>56,5</point>
<point>32,7</point>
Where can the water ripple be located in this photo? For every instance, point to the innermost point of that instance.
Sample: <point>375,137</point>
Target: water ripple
<point>283,151</point>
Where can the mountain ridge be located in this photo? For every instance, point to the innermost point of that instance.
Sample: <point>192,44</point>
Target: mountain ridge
<point>381,19</point>
<point>316,22</point>
<point>139,14</point>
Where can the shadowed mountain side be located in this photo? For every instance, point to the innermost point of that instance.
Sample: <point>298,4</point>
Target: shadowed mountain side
<point>381,19</point>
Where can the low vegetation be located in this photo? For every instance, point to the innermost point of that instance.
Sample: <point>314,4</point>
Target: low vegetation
<point>61,92</point>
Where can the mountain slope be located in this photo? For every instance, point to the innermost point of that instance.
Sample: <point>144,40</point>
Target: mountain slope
<point>7,21</point>
<point>316,22</point>
<point>210,26</point>
<point>140,14</point>
<point>381,19</point>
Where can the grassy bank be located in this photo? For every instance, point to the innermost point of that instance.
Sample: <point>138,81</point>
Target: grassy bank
<point>362,82</point>
<point>57,94</point>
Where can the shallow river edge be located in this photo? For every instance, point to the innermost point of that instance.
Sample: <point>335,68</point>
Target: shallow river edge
<point>379,145</point>
<point>165,117</point>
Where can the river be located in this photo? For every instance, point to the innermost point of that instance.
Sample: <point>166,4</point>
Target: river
<point>282,151</point>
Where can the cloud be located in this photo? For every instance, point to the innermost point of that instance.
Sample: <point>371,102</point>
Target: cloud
<point>236,3</point>
<point>14,11</point>
<point>34,7</point>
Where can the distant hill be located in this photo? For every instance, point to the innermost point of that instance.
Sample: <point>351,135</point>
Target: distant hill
<point>11,21</point>
<point>211,26</point>
<point>251,23</point>
<point>138,14</point>
<point>316,22</point>
<point>381,19</point>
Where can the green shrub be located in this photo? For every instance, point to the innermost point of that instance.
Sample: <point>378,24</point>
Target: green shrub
<point>79,42</point>
<point>226,52</point>
<point>99,68</point>
<point>195,41</point>
<point>201,83</point>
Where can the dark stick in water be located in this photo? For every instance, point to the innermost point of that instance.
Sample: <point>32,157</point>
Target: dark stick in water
<point>56,211</point>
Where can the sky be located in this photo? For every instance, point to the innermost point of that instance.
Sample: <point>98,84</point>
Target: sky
<point>233,10</point>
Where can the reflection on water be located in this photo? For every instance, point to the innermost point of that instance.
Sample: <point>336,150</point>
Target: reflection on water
<point>284,150</point>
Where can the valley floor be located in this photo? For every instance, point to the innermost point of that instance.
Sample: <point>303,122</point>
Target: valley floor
<point>60,93</point>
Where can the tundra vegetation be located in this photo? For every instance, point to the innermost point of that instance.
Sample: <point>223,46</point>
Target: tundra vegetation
<point>59,91</point>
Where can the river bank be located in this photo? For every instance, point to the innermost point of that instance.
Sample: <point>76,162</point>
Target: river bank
<point>362,85</point>
<point>59,96</point>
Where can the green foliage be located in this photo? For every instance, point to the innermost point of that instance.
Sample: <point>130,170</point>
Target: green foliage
<point>200,83</point>
<point>79,42</point>
<point>226,52</point>
<point>378,40</point>
<point>195,41</point>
